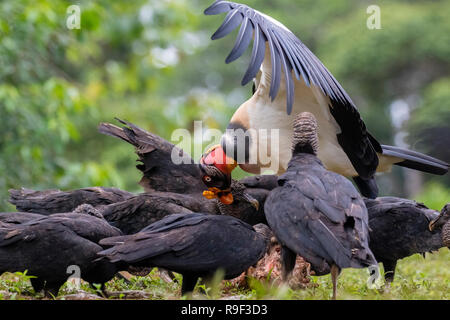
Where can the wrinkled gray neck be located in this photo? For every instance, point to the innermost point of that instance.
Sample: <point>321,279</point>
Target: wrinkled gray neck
<point>305,137</point>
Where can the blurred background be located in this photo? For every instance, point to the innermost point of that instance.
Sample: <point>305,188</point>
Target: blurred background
<point>152,62</point>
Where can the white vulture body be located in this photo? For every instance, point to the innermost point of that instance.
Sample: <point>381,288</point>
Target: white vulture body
<point>290,79</point>
<point>263,115</point>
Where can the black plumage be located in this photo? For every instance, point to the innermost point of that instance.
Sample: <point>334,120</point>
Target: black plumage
<point>136,213</point>
<point>194,245</point>
<point>316,213</point>
<point>170,188</point>
<point>48,245</point>
<point>131,213</point>
<point>400,228</point>
<point>57,201</point>
<point>18,217</point>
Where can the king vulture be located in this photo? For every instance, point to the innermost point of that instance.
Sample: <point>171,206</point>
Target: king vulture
<point>290,79</point>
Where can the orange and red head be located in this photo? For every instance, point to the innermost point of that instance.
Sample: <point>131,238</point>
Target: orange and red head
<point>216,168</point>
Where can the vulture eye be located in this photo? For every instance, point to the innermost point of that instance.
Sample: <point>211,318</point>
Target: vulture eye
<point>207,178</point>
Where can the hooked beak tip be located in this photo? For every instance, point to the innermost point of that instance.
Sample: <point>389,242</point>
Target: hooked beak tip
<point>255,204</point>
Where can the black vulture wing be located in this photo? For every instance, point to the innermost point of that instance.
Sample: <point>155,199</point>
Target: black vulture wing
<point>190,242</point>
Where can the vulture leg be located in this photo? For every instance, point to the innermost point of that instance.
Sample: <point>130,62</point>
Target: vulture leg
<point>288,258</point>
<point>335,271</point>
<point>38,284</point>
<point>389,271</point>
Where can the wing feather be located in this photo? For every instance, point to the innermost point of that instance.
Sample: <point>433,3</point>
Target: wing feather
<point>242,40</point>
<point>287,54</point>
<point>231,22</point>
<point>258,53</point>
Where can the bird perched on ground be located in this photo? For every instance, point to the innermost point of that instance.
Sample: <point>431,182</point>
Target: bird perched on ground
<point>400,228</point>
<point>345,145</point>
<point>194,245</point>
<point>48,245</point>
<point>317,213</point>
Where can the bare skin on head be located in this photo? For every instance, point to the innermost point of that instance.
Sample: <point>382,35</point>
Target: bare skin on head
<point>443,221</point>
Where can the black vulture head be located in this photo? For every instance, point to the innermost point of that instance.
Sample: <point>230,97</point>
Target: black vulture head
<point>305,138</point>
<point>442,219</point>
<point>88,209</point>
<point>243,203</point>
<point>443,222</point>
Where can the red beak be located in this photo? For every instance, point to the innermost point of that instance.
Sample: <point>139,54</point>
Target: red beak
<point>217,157</point>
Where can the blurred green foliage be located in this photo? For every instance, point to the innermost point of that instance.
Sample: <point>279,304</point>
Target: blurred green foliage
<point>152,62</point>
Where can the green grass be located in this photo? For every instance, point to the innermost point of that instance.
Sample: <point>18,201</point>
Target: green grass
<point>416,278</point>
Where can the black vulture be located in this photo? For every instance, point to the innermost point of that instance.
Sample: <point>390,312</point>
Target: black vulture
<point>46,246</point>
<point>400,228</point>
<point>317,213</point>
<point>193,244</point>
<point>290,79</point>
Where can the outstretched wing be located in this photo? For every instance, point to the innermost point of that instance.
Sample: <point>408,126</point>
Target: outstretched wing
<point>287,52</point>
<point>290,56</point>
